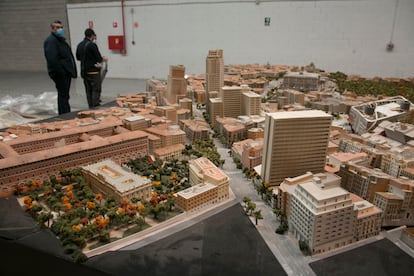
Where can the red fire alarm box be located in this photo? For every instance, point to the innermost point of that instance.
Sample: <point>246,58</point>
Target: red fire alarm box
<point>116,42</point>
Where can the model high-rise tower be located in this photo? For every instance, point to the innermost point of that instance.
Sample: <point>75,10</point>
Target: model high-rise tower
<point>214,73</point>
<point>177,84</point>
<point>295,142</point>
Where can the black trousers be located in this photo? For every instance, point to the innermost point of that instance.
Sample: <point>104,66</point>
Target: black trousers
<point>62,83</point>
<point>93,88</point>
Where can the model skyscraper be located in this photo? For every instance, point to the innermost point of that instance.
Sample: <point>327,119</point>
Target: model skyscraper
<point>177,84</point>
<point>295,142</point>
<point>214,73</point>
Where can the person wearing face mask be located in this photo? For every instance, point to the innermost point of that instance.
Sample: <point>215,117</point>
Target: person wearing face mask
<point>88,54</point>
<point>61,64</point>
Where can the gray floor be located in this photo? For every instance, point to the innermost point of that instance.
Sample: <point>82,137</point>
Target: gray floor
<point>16,84</point>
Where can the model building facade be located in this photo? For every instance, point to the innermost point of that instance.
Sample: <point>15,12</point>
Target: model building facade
<point>108,178</point>
<point>295,142</point>
<point>325,216</point>
<point>214,72</point>
<point>40,155</point>
<point>176,85</point>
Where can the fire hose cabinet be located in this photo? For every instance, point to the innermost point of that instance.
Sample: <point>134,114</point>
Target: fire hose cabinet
<point>116,42</point>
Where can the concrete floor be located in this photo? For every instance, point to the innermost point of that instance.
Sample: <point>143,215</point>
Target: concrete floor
<point>16,84</point>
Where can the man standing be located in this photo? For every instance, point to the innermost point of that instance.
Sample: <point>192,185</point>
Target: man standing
<point>91,62</point>
<point>61,65</point>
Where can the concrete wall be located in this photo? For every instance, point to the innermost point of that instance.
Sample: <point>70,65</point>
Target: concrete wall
<point>24,25</point>
<point>349,36</point>
<point>342,35</point>
<point>23,28</point>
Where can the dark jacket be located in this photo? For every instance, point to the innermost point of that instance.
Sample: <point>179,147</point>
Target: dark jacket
<point>80,48</point>
<point>59,57</point>
<point>88,54</point>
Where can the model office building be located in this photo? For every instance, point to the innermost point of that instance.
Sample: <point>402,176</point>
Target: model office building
<point>294,142</point>
<point>209,186</point>
<point>325,216</point>
<point>203,170</point>
<point>176,85</point>
<point>302,81</point>
<point>214,73</point>
<point>108,178</point>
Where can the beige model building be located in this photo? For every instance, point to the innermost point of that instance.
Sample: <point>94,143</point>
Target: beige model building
<point>234,132</point>
<point>295,142</point>
<point>252,154</point>
<point>154,85</point>
<point>197,197</point>
<point>323,215</point>
<point>238,147</point>
<point>232,100</point>
<point>169,134</point>
<point>214,73</point>
<point>186,103</point>
<point>203,170</point>
<point>196,129</point>
<point>108,178</point>
<point>368,219</point>
<point>209,186</point>
<point>235,101</point>
<point>166,111</point>
<point>169,153</point>
<point>40,155</point>
<point>215,110</point>
<point>136,122</point>
<point>407,173</point>
<point>393,163</point>
<point>397,203</point>
<point>336,159</point>
<point>251,103</point>
<point>374,155</point>
<point>401,132</point>
<point>176,85</point>
<point>255,133</point>
<point>390,204</point>
<point>294,96</point>
<point>358,178</point>
<point>302,81</point>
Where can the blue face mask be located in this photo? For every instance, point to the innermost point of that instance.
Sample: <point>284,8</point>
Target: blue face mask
<point>94,41</point>
<point>59,32</point>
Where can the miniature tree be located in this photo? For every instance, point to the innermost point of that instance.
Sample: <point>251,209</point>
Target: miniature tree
<point>257,215</point>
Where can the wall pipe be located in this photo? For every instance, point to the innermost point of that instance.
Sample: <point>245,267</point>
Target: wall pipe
<point>123,51</point>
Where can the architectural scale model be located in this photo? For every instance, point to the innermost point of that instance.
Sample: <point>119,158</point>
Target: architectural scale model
<point>209,186</point>
<point>277,121</point>
<point>365,117</point>
<point>108,178</point>
<point>325,216</point>
<point>295,142</point>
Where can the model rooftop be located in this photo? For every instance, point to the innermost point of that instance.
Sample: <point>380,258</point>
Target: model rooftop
<point>196,190</point>
<point>118,177</point>
<point>299,114</point>
<point>209,169</point>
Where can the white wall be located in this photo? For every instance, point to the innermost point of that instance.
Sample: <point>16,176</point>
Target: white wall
<point>344,35</point>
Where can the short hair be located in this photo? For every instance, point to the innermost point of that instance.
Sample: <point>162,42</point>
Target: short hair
<point>89,32</point>
<point>52,25</point>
